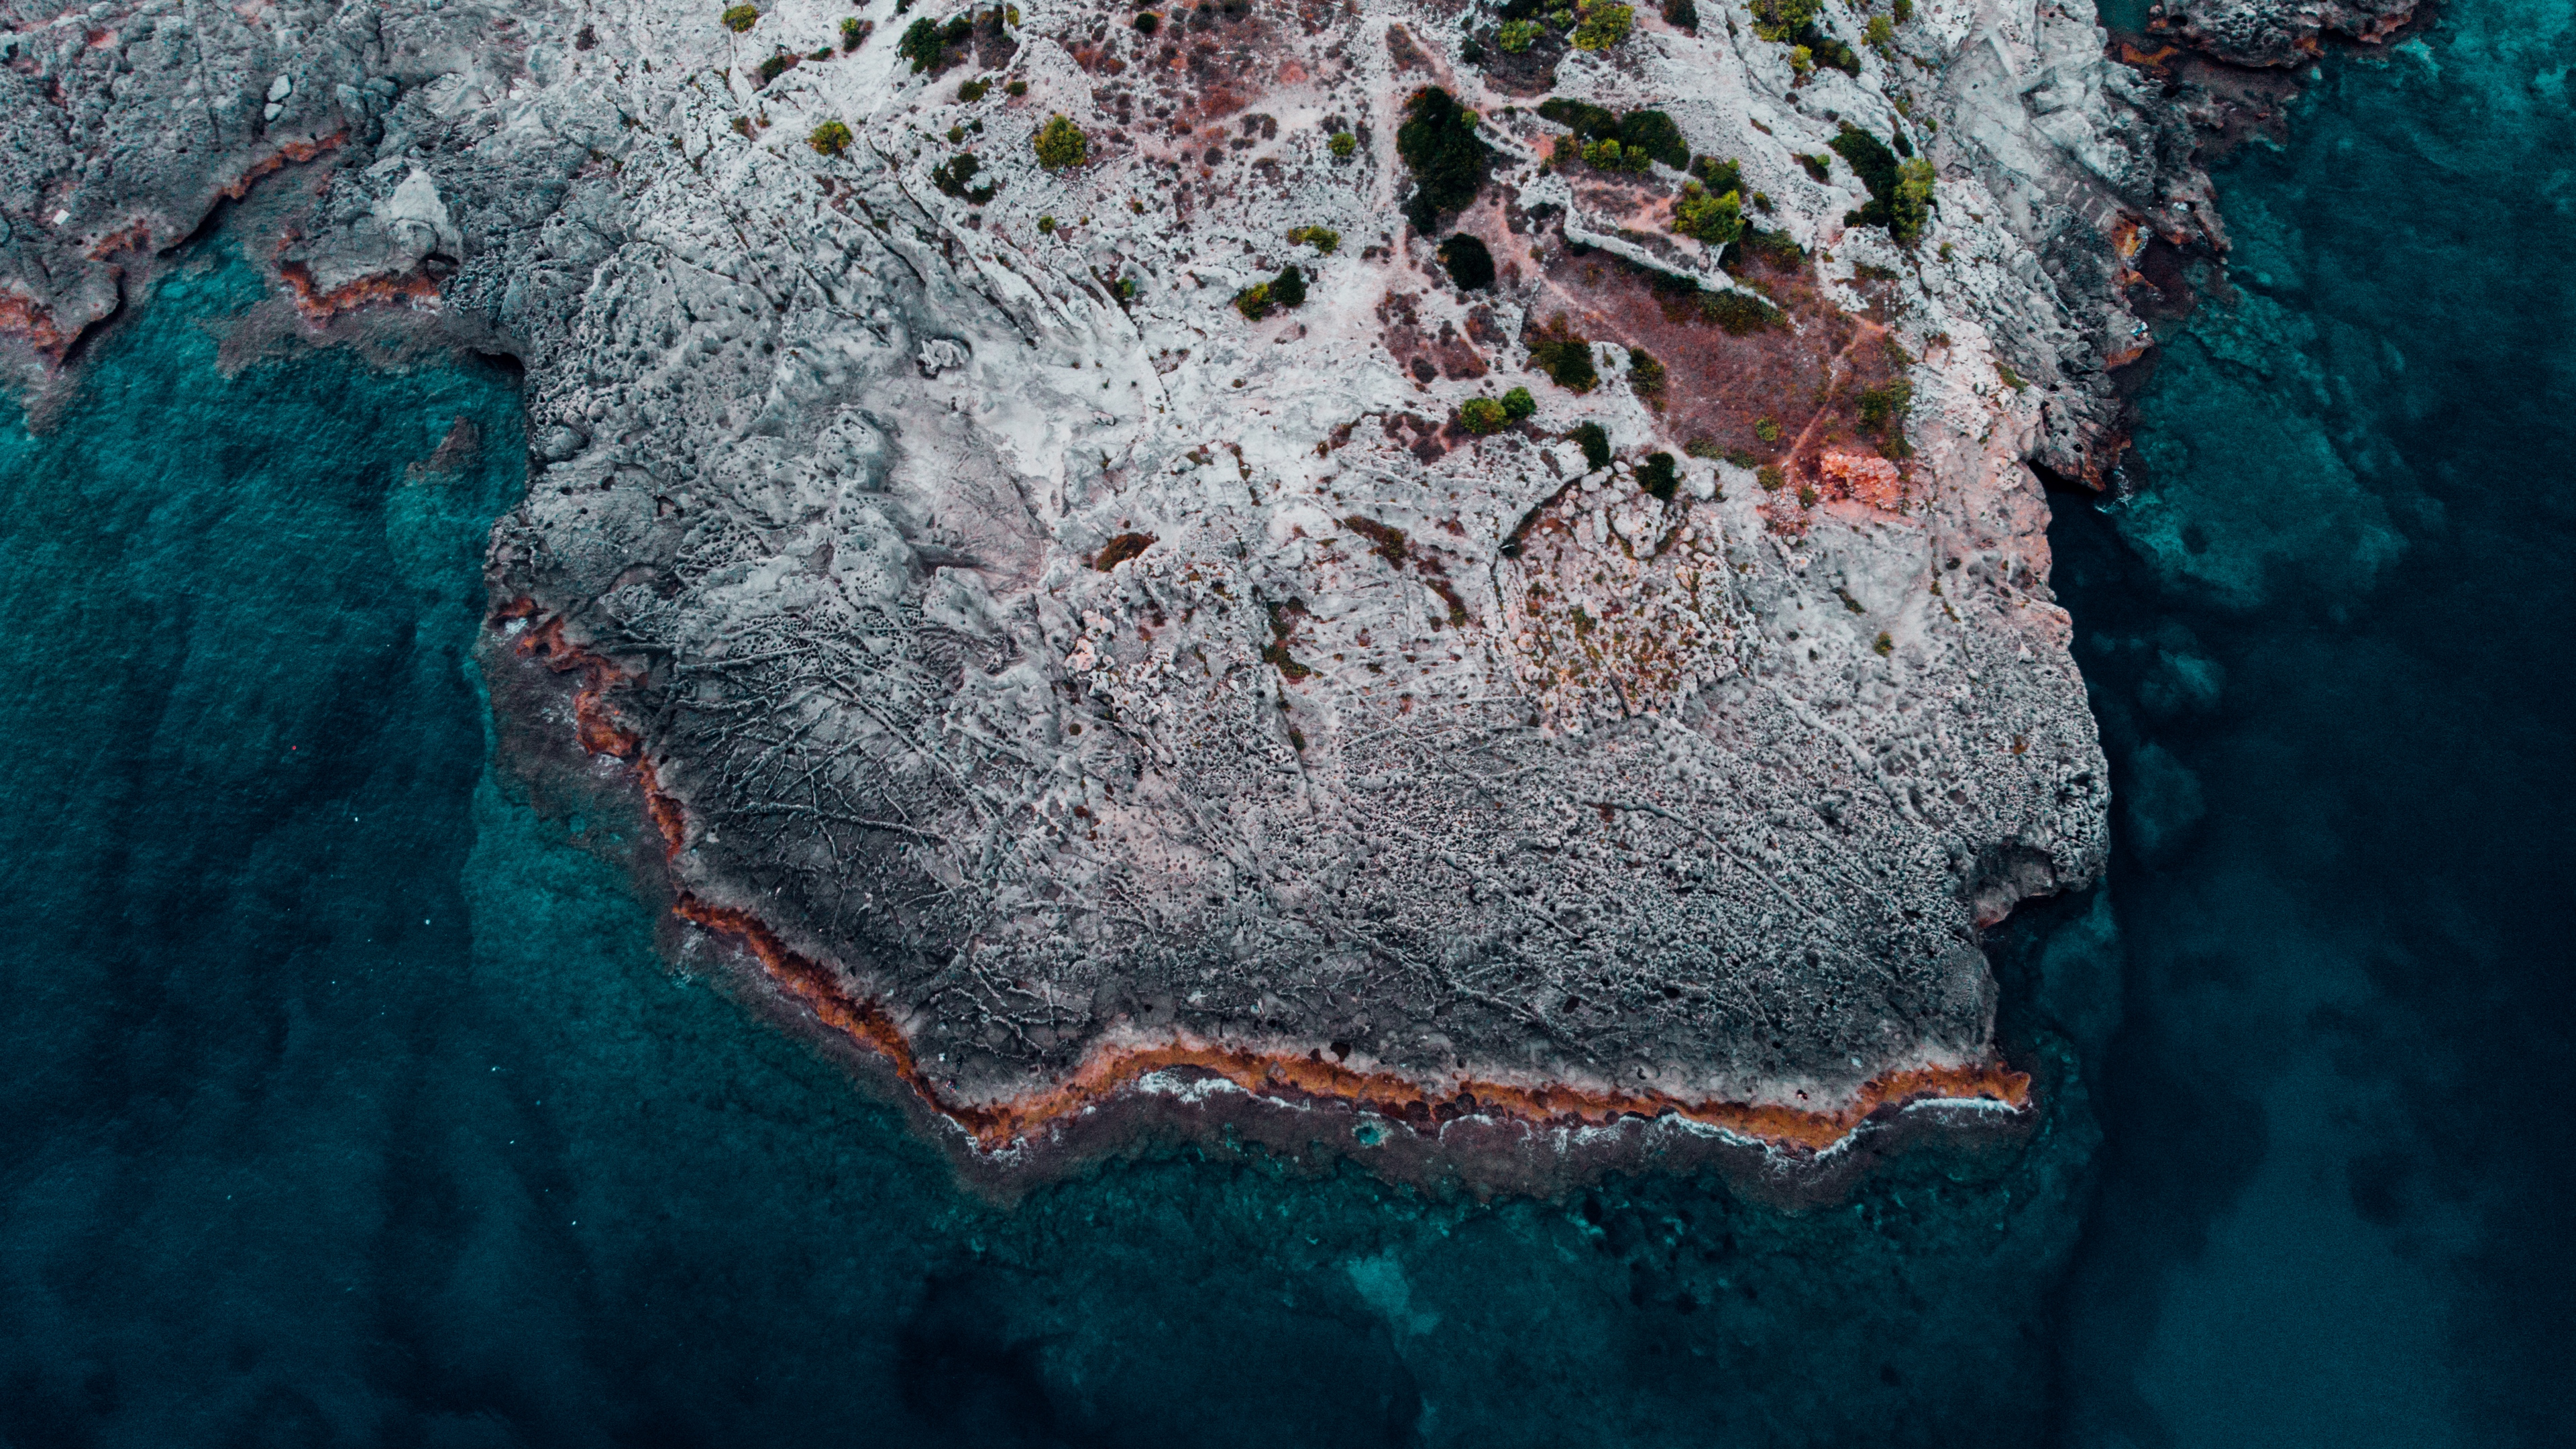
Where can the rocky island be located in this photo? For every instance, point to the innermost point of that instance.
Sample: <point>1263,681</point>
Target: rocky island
<point>1465,581</point>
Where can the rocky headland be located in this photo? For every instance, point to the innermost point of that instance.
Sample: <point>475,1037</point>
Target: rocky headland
<point>1474,575</point>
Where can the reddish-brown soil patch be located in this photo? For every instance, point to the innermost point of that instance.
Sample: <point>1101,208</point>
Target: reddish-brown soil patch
<point>1804,374</point>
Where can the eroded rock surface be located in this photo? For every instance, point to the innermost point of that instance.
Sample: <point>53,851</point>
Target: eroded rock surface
<point>1068,661</point>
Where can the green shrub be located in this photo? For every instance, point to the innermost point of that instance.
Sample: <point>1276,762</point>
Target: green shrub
<point>774,66</point>
<point>1883,408</point>
<point>1322,238</point>
<point>973,91</point>
<point>1595,444</point>
<point>1807,495</point>
<point>1911,210</point>
<point>830,138</point>
<point>1342,145</point>
<point>1701,445</point>
<point>1467,261</point>
<point>1046,226</point>
<point>1682,15</point>
<point>1564,357</point>
<point>952,177</point>
<point>1904,10</point>
<point>1603,25</point>
<point>1802,60</point>
<point>1281,293</point>
<point>740,18</point>
<point>1060,143</point>
<point>1517,36</point>
<point>1016,89</point>
<point>1882,35</point>
<point>1884,645</point>
<point>1819,167</point>
<point>1776,248</point>
<point>853,30</point>
<point>1715,220</point>
<point>1518,404</point>
<point>1438,142</point>
<point>1741,314</point>
<point>1875,165</point>
<point>1779,20</point>
<point>1147,22</point>
<point>1660,477</point>
<point>922,45</point>
<point>1646,375</point>
<point>1604,153</point>
<point>1484,416</point>
<point>1767,429</point>
<point>1770,477</point>
<point>1655,135</point>
<point>1586,121</point>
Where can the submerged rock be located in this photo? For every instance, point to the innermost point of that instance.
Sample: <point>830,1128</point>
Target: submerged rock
<point>1061,603</point>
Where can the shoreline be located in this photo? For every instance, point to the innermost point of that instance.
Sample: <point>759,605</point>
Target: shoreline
<point>1478,1131</point>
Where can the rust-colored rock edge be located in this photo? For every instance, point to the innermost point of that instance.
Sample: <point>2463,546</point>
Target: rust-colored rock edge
<point>1110,1070</point>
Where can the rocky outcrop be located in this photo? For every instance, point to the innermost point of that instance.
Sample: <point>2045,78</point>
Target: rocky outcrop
<point>1064,655</point>
<point>2270,33</point>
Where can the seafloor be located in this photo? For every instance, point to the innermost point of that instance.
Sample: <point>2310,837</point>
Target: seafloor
<point>349,1102</point>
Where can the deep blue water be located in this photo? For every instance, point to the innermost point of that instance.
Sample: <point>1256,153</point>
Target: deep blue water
<point>343,1101</point>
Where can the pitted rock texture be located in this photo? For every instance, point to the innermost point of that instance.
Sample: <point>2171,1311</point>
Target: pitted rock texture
<point>1067,660</point>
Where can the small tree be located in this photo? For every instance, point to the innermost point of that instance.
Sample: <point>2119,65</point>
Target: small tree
<point>1660,476</point>
<point>830,138</point>
<point>853,31</point>
<point>1518,36</point>
<point>1343,145</point>
<point>1060,143</point>
<point>1911,210</point>
<point>1778,20</point>
<point>1484,416</point>
<point>925,43</point>
<point>1715,220</point>
<point>1603,25</point>
<point>1518,404</point>
<point>740,18</point>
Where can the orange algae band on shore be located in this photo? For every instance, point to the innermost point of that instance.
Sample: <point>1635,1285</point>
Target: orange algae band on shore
<point>1111,1070</point>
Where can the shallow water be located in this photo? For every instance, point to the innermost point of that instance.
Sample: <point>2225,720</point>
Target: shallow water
<point>349,1102</point>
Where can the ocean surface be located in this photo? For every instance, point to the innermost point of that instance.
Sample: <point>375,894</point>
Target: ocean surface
<point>344,1098</point>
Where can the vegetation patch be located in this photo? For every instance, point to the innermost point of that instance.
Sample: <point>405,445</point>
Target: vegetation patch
<point>1322,238</point>
<point>740,18</point>
<point>1646,376</point>
<point>1601,24</point>
<point>1449,162</point>
<point>1564,356</point>
<point>830,138</point>
<point>953,178</point>
<point>926,42</point>
<point>1282,293</point>
<point>1061,144</point>
<point>1595,443</point>
<point>1467,261</point>
<point>1660,476</point>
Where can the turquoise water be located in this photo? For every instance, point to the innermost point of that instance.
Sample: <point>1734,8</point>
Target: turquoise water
<point>2324,646</point>
<point>348,1103</point>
